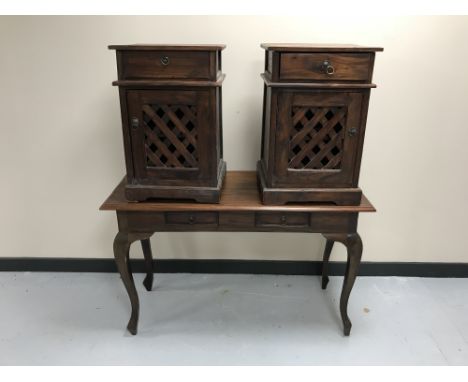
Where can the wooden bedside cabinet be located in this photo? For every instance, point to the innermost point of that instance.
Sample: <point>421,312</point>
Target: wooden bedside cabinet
<point>170,99</point>
<point>315,106</point>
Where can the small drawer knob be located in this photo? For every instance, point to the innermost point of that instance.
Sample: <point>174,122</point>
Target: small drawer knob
<point>328,68</point>
<point>165,60</point>
<point>135,123</point>
<point>352,132</point>
<point>283,219</point>
<point>191,219</point>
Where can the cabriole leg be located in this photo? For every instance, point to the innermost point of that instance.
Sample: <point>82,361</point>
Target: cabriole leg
<point>147,253</point>
<point>326,258</point>
<point>353,245</point>
<point>122,243</point>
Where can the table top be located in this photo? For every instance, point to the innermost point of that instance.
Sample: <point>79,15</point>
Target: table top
<point>239,193</point>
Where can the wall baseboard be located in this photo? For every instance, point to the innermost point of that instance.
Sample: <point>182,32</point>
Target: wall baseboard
<point>274,267</point>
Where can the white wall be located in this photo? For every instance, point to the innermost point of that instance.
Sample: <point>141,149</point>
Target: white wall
<point>61,147</point>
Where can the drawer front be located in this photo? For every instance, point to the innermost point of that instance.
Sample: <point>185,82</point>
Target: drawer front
<point>135,221</point>
<point>237,219</point>
<point>277,219</point>
<point>325,66</point>
<point>146,65</point>
<point>194,219</point>
<point>333,222</point>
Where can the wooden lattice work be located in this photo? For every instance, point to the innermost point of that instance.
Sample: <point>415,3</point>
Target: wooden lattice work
<point>316,137</point>
<point>170,135</point>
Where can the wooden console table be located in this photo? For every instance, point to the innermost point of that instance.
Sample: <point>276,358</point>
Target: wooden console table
<point>240,210</point>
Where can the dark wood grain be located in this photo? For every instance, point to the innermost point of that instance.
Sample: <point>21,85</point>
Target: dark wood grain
<point>122,242</point>
<point>315,85</point>
<point>240,193</point>
<point>353,244</point>
<point>306,66</point>
<point>315,108</point>
<point>181,47</point>
<point>240,210</point>
<point>170,101</point>
<point>148,256</point>
<point>297,47</point>
<point>144,64</point>
<point>168,83</point>
<point>326,261</point>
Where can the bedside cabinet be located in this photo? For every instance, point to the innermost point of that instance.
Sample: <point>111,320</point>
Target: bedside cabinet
<point>170,99</point>
<point>315,106</point>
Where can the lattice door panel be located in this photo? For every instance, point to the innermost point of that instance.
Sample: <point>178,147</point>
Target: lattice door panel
<point>316,137</point>
<point>170,135</point>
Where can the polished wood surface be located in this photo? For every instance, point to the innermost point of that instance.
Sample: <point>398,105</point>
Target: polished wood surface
<point>315,106</point>
<point>144,64</point>
<point>186,47</point>
<point>315,85</point>
<point>164,83</point>
<point>307,66</point>
<point>170,100</point>
<point>240,210</point>
<point>239,193</point>
<point>280,47</point>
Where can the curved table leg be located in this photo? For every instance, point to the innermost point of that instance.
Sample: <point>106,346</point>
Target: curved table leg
<point>326,258</point>
<point>146,247</point>
<point>122,243</point>
<point>353,245</point>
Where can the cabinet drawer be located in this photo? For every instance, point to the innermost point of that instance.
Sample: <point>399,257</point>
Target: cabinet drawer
<point>269,219</point>
<point>167,64</point>
<point>195,218</point>
<point>325,66</point>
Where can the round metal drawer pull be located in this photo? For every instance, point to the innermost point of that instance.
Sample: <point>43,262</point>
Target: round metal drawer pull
<point>191,219</point>
<point>352,132</point>
<point>165,60</point>
<point>283,219</point>
<point>328,68</point>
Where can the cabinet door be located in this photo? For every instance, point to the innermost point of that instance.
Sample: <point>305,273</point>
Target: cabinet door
<point>317,138</point>
<point>170,136</point>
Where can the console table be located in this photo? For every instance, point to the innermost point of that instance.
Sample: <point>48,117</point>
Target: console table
<point>240,210</point>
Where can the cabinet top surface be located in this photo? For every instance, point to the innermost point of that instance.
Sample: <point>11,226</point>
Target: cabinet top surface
<point>240,193</point>
<point>183,47</point>
<point>319,47</point>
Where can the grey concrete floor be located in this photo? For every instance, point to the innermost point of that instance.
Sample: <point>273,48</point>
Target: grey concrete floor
<point>193,319</point>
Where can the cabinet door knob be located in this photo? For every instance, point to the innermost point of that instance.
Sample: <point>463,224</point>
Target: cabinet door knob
<point>328,68</point>
<point>283,219</point>
<point>165,60</point>
<point>352,132</point>
<point>135,123</point>
<point>191,219</point>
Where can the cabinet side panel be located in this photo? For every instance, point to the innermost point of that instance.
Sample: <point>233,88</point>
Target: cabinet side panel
<point>213,138</point>
<point>362,133</point>
<point>219,118</point>
<point>213,70</point>
<point>266,124</point>
<point>270,129</point>
<point>126,135</point>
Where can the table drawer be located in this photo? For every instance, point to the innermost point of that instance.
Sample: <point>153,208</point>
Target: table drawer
<point>276,219</point>
<point>192,218</point>
<point>166,64</point>
<point>325,66</point>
